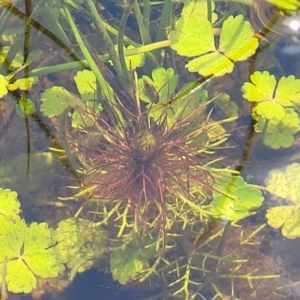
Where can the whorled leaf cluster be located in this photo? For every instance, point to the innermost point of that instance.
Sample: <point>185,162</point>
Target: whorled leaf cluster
<point>149,170</point>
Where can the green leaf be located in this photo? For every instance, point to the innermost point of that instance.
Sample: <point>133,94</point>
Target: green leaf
<point>3,86</point>
<point>79,243</point>
<point>10,205</point>
<point>29,251</point>
<point>86,84</point>
<point>288,91</point>
<point>24,84</point>
<point>236,43</point>
<point>56,99</point>
<point>278,215</point>
<point>190,42</point>
<point>261,87</point>
<point>197,8</point>
<point>291,228</point>
<point>233,198</point>
<point>286,4</point>
<point>272,96</point>
<point>126,265</point>
<point>134,61</point>
<point>287,217</point>
<point>277,134</point>
<point>269,110</point>
<point>25,108</point>
<point>285,183</point>
<point>236,39</point>
<point>216,132</point>
<point>212,63</point>
<point>163,81</point>
<point>17,62</point>
<point>229,107</point>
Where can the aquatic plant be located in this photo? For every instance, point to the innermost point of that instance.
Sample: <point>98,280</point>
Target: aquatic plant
<point>79,245</point>
<point>144,148</point>
<point>150,164</point>
<point>30,253</point>
<point>26,252</point>
<point>10,205</point>
<point>275,109</point>
<point>291,5</point>
<point>285,183</point>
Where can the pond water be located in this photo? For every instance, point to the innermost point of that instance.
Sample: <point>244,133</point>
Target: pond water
<point>149,149</point>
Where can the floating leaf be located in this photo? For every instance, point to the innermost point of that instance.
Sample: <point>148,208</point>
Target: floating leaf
<point>236,44</point>
<point>286,4</point>
<point>236,39</point>
<point>287,217</point>
<point>271,96</point>
<point>278,215</point>
<point>285,183</point>
<point>187,41</point>
<point>10,205</point>
<point>23,84</point>
<point>29,252</point>
<point>3,86</point>
<point>197,8</point>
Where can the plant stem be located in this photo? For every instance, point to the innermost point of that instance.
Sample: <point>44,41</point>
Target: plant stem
<point>80,64</point>
<point>165,20</point>
<point>129,41</point>
<point>54,24</point>
<point>209,11</point>
<point>146,13</point>
<point>144,32</point>
<point>126,80</point>
<point>107,40</point>
<point>105,88</point>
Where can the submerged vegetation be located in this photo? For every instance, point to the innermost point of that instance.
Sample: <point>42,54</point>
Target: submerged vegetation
<point>159,200</point>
